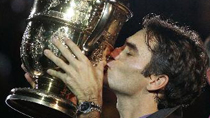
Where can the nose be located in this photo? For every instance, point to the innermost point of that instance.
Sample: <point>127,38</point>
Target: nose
<point>114,54</point>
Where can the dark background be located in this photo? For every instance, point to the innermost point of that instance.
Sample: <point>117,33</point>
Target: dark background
<point>13,14</point>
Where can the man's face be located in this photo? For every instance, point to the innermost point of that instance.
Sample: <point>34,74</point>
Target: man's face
<point>124,72</point>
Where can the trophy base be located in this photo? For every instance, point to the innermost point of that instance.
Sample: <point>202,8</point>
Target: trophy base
<point>39,104</point>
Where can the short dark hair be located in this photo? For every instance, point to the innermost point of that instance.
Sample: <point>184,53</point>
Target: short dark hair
<point>179,54</point>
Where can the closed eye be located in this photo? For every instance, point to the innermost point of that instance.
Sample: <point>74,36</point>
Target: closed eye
<point>129,54</point>
<point>131,46</point>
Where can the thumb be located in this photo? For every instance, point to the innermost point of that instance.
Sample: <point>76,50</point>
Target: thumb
<point>102,63</point>
<point>100,68</point>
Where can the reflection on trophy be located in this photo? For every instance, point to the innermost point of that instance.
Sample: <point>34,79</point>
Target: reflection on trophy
<point>92,24</point>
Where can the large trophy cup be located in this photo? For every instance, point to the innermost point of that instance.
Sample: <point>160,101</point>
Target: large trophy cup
<point>92,24</point>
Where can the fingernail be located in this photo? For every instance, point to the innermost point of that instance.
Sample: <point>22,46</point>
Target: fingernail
<point>49,71</point>
<point>66,39</point>
<point>46,52</point>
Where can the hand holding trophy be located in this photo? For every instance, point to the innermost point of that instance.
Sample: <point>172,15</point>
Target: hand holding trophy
<point>93,25</point>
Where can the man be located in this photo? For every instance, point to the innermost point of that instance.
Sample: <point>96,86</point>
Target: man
<point>159,69</point>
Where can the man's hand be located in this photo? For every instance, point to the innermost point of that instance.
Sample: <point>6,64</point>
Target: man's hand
<point>84,80</point>
<point>28,77</point>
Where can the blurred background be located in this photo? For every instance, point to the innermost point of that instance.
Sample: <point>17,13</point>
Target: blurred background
<point>13,15</point>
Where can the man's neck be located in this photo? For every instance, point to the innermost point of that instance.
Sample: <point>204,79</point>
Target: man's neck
<point>136,106</point>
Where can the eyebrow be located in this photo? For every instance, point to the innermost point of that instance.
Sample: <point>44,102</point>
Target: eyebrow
<point>131,46</point>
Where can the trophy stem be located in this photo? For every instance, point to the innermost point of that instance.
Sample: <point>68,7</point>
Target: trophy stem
<point>51,85</point>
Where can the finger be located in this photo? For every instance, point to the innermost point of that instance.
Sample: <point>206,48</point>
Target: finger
<point>30,79</point>
<point>59,62</point>
<point>102,63</point>
<point>65,52</point>
<point>106,52</point>
<point>100,70</point>
<point>58,74</point>
<point>23,67</point>
<point>75,50</point>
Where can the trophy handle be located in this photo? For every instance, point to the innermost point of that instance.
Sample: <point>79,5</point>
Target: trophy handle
<point>106,20</point>
<point>90,43</point>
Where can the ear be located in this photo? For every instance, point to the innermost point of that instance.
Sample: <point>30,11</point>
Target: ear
<point>157,82</point>
<point>208,75</point>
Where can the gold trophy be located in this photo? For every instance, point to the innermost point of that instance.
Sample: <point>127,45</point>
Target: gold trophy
<point>92,24</point>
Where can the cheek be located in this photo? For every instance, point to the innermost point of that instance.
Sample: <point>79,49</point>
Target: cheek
<point>139,63</point>
<point>126,79</point>
<point>142,60</point>
<point>116,70</point>
<point>121,69</point>
<point>128,83</point>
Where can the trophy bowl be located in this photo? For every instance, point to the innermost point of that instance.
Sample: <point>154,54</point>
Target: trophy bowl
<point>92,24</point>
